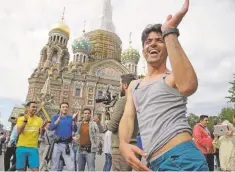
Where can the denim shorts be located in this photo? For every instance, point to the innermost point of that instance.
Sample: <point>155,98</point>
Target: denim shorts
<point>183,157</point>
<point>24,154</point>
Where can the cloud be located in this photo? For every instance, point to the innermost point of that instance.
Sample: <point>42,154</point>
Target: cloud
<point>206,35</point>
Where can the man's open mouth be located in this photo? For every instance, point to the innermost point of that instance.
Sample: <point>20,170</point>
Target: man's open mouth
<point>153,52</point>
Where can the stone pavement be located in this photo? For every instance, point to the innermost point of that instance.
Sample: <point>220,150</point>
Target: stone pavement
<point>99,162</point>
<point>1,162</point>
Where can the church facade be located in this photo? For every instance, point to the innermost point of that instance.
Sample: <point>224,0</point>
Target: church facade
<point>96,63</point>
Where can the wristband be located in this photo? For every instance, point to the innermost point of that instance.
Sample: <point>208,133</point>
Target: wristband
<point>170,31</point>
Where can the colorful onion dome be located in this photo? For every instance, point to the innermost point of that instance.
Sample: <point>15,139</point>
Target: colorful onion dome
<point>130,54</point>
<point>82,44</point>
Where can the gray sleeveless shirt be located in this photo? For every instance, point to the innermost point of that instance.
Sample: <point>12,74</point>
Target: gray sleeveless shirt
<point>161,113</point>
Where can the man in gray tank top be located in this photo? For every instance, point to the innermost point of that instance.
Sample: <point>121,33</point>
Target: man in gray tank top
<point>159,100</point>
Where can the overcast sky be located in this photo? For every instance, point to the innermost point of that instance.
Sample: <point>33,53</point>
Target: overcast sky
<point>207,35</point>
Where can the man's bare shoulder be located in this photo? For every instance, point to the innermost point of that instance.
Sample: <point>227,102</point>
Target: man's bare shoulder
<point>132,85</point>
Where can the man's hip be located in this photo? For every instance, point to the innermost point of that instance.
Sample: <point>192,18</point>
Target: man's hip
<point>183,157</point>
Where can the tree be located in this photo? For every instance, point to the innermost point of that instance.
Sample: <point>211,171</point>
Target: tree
<point>212,120</point>
<point>231,91</point>
<point>192,119</point>
<point>227,114</point>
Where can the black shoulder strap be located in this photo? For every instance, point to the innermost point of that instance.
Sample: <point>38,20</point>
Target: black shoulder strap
<point>48,138</point>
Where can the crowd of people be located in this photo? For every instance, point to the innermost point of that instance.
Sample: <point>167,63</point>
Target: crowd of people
<point>64,141</point>
<point>148,121</point>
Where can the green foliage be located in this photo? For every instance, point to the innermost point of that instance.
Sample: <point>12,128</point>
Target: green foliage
<point>192,119</point>
<point>231,91</point>
<point>227,114</point>
<point>141,76</point>
<point>212,120</point>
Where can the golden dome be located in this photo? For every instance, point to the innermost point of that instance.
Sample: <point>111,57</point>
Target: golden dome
<point>62,27</point>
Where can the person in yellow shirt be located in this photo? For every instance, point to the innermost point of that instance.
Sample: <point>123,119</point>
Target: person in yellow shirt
<point>28,128</point>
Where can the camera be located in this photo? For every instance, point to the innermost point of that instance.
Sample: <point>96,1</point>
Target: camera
<point>106,99</point>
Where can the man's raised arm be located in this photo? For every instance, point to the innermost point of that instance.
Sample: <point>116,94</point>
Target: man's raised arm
<point>184,76</point>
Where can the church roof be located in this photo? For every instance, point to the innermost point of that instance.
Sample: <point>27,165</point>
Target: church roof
<point>16,111</point>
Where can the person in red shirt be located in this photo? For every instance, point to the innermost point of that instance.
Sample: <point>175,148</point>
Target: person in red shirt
<point>203,140</point>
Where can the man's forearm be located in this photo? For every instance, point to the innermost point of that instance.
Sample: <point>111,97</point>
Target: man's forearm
<point>125,131</point>
<point>54,124</point>
<point>183,72</point>
<point>20,129</point>
<point>101,128</point>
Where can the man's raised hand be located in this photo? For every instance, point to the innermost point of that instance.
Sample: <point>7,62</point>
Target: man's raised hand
<point>174,21</point>
<point>75,115</point>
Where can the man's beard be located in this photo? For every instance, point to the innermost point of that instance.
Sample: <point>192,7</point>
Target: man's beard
<point>122,93</point>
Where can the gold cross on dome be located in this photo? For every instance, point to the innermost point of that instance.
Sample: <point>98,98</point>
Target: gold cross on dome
<point>62,18</point>
<point>130,38</point>
<point>84,26</point>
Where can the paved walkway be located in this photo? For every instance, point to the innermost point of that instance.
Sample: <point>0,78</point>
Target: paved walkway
<point>1,162</point>
<point>99,162</point>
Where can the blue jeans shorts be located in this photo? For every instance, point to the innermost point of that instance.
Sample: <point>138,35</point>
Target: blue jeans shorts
<point>24,154</point>
<point>183,157</point>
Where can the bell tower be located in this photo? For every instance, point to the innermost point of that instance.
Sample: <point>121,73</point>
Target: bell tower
<point>54,54</point>
<point>54,59</point>
<point>106,22</point>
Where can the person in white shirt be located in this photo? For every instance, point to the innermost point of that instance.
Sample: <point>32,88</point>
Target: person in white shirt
<point>226,146</point>
<point>107,150</point>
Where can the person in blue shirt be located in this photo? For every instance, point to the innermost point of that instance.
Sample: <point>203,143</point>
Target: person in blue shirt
<point>63,126</point>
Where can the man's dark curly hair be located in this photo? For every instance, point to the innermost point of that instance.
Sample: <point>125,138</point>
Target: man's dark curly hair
<point>150,28</point>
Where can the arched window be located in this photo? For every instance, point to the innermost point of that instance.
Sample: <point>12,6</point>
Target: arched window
<point>54,58</point>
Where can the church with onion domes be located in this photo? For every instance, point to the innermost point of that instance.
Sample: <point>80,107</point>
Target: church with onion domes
<point>97,61</point>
